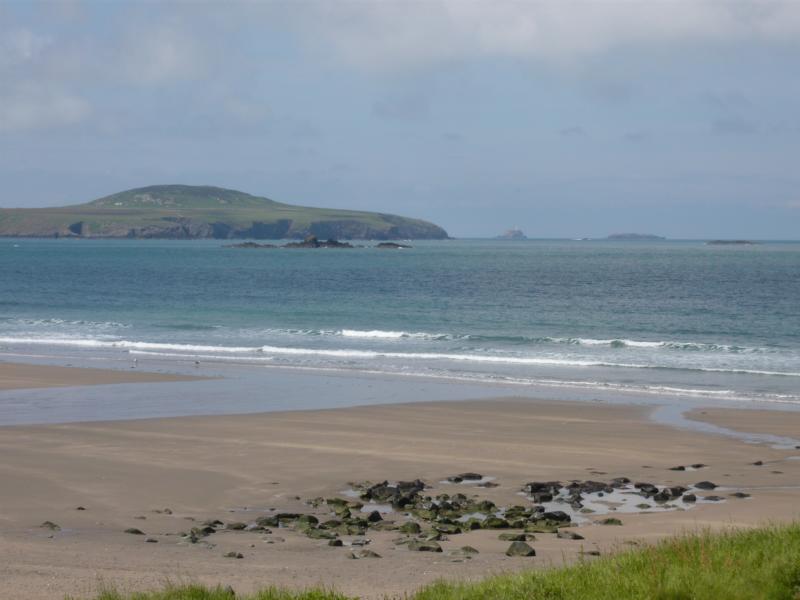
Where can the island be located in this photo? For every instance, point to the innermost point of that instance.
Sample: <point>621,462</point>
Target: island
<point>512,234</point>
<point>731,243</point>
<point>193,212</point>
<point>635,237</point>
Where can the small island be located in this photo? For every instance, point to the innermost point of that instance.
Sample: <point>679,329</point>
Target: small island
<point>635,237</point>
<point>731,243</point>
<point>512,234</point>
<point>310,241</point>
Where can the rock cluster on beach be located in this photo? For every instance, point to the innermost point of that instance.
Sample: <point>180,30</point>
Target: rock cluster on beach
<point>421,520</point>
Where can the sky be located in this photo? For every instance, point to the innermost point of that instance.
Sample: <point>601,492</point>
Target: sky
<point>563,118</point>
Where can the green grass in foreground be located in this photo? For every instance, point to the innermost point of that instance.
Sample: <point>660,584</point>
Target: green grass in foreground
<point>756,564</point>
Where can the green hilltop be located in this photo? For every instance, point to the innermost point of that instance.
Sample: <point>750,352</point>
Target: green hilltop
<point>189,212</point>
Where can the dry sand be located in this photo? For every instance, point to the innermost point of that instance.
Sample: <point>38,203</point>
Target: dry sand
<point>215,467</point>
<point>16,376</point>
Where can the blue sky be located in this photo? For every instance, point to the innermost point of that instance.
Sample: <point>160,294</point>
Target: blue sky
<point>564,118</point>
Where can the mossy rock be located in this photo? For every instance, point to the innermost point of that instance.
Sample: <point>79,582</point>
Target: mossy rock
<point>271,521</point>
<point>512,537</point>
<point>520,549</point>
<point>472,524</point>
<point>447,528</point>
<point>495,523</point>
<point>566,534</point>
<point>609,521</point>
<point>411,528</point>
<point>320,534</point>
<point>421,546</point>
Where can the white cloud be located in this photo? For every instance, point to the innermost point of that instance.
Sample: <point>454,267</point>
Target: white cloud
<point>382,33</point>
<point>160,53</point>
<point>20,46</point>
<point>32,106</point>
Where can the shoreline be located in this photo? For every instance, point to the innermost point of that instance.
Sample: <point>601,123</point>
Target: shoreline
<point>239,467</point>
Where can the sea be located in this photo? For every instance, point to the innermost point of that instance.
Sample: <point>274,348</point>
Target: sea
<point>564,317</point>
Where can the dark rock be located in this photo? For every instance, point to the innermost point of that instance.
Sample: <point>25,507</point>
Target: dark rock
<point>233,555</point>
<point>520,549</point>
<point>689,498</point>
<point>705,485</point>
<point>400,495</point>
<point>566,534</point>
<point>678,468</point>
<point>311,241</point>
<point>427,546</point>
<point>80,508</point>
<point>558,516</point>
<point>648,489</point>
<point>677,491</point>
<point>50,525</point>
<point>609,521</point>
<point>250,245</point>
<point>758,463</point>
<point>151,540</point>
<point>391,245</point>
<point>134,531</point>
<point>698,466</point>
<point>364,553</point>
<point>495,523</point>
<point>471,476</point>
<point>512,537</point>
<point>236,526</point>
<point>740,495</point>
<point>662,496</point>
<point>335,543</point>
<point>714,498</point>
<point>374,517</point>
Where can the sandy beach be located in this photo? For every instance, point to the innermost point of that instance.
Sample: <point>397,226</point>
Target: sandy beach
<point>17,376</point>
<point>236,468</point>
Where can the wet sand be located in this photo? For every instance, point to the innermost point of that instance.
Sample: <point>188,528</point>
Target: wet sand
<point>17,376</point>
<point>236,468</point>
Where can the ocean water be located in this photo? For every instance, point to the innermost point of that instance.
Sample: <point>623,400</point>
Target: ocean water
<point>663,318</point>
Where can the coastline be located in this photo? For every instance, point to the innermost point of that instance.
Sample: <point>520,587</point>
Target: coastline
<point>238,467</point>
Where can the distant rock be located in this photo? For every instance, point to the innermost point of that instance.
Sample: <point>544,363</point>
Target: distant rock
<point>512,234</point>
<point>391,246</point>
<point>311,241</point>
<point>250,245</point>
<point>731,243</point>
<point>635,237</point>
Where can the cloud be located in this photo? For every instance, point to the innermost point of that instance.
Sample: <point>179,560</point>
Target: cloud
<point>161,53</point>
<point>20,46</point>
<point>380,34</point>
<point>32,106</point>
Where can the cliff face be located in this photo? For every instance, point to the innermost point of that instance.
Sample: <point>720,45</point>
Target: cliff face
<point>192,212</point>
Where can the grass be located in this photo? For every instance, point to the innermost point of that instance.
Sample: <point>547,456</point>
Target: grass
<point>760,564</point>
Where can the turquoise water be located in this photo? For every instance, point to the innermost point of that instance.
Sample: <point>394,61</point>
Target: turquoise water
<point>677,318</point>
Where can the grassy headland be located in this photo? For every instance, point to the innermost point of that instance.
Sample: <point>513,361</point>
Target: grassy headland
<point>183,211</point>
<point>754,564</point>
